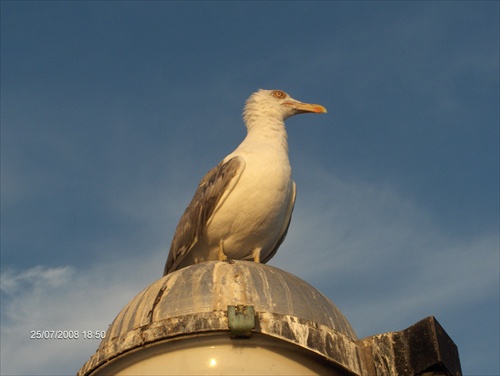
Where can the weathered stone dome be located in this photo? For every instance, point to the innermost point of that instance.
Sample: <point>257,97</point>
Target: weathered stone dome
<point>194,300</point>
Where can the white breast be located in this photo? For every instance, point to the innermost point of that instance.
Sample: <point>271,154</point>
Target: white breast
<point>253,214</point>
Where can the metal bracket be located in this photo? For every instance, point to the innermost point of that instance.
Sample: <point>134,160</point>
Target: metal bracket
<point>241,320</point>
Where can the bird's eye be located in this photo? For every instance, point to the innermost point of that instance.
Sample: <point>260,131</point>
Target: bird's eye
<point>279,94</point>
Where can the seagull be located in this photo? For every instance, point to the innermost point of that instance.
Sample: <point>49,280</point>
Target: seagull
<point>242,208</point>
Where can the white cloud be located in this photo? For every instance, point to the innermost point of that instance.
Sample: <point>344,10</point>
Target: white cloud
<point>37,278</point>
<point>62,298</point>
<point>371,250</point>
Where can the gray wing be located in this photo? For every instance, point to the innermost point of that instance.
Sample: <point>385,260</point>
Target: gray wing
<point>211,189</point>
<point>286,225</point>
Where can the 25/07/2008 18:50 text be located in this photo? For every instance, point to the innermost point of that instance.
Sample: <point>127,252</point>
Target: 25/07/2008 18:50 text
<point>67,334</point>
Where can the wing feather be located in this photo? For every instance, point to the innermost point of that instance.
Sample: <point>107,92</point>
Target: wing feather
<point>213,189</point>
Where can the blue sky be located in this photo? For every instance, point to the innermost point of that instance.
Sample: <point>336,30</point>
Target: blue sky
<point>111,112</point>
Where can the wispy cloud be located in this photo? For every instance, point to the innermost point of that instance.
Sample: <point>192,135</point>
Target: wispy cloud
<point>367,247</point>
<point>384,259</point>
<point>399,220</point>
<point>62,298</point>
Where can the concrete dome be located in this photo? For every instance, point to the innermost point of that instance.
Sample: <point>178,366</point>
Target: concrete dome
<point>194,300</point>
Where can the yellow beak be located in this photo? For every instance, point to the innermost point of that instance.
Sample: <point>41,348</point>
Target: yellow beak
<point>306,107</point>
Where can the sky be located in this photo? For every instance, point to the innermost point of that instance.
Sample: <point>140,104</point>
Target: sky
<point>111,112</point>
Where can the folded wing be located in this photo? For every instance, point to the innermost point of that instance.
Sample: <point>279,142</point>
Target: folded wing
<point>212,191</point>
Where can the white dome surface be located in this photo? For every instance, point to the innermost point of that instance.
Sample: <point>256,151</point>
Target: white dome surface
<point>194,301</point>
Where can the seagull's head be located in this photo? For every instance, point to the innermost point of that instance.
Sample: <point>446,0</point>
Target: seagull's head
<point>277,104</point>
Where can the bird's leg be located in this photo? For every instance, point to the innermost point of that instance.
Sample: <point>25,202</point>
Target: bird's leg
<point>222,255</point>
<point>256,255</point>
